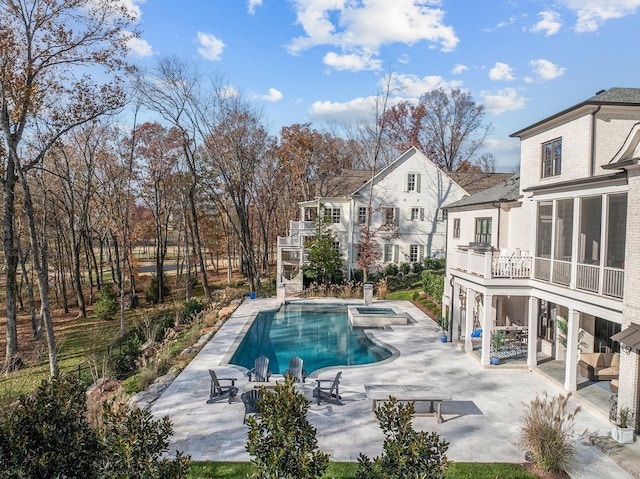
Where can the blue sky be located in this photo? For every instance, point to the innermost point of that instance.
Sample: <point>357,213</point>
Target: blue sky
<point>324,61</point>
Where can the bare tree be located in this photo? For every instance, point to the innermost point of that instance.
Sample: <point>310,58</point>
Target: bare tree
<point>172,90</point>
<point>446,126</point>
<point>234,151</point>
<point>44,93</point>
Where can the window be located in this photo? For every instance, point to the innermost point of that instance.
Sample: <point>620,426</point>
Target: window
<point>415,253</point>
<point>333,214</point>
<point>413,182</point>
<point>388,253</point>
<point>552,158</point>
<point>336,246</point>
<point>417,214</point>
<point>390,216</point>
<point>483,230</point>
<point>456,227</point>
<point>362,215</point>
<point>310,213</point>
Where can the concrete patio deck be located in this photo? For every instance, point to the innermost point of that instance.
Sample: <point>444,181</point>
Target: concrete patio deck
<point>481,422</point>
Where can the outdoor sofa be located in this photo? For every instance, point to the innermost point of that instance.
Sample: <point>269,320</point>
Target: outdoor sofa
<point>599,366</point>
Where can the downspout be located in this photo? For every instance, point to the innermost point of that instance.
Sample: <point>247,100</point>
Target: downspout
<point>593,140</point>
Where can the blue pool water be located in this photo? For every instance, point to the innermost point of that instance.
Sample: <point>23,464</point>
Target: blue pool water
<point>320,334</point>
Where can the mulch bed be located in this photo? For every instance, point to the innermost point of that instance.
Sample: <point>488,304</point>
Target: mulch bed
<point>533,469</point>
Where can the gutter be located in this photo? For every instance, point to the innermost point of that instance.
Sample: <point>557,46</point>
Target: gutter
<point>593,141</point>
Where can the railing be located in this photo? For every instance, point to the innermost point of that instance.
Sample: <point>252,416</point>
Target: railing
<point>490,265</point>
<point>562,272</point>
<point>288,241</point>
<point>613,282</point>
<point>542,269</point>
<point>594,278</point>
<point>588,278</point>
<point>511,267</point>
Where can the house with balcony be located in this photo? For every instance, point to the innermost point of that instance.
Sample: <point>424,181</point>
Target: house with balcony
<point>402,203</point>
<point>548,260</point>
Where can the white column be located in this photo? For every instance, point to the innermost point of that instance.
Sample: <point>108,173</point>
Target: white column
<point>532,339</point>
<point>571,359</point>
<point>487,330</point>
<point>455,312</point>
<point>471,298</point>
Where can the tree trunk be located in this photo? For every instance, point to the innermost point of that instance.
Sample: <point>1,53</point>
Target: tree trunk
<point>35,325</point>
<point>11,261</point>
<point>40,263</point>
<point>198,244</point>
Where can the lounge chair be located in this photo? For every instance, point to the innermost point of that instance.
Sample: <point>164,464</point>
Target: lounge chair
<point>260,371</point>
<point>296,370</point>
<point>218,391</point>
<point>329,392</point>
<point>250,400</point>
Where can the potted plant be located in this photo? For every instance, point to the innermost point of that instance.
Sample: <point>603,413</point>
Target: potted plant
<point>621,431</point>
<point>444,325</point>
<point>496,344</point>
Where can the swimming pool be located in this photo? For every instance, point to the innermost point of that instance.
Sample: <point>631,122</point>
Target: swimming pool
<point>319,333</point>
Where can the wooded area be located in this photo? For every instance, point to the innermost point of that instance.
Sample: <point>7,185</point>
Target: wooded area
<point>87,184</point>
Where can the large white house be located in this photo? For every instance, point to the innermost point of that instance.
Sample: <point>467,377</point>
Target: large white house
<point>551,257</point>
<point>406,212</point>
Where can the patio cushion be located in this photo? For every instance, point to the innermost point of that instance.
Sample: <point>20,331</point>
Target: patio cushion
<point>599,366</point>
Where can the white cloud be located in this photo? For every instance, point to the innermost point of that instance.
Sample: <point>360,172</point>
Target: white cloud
<point>353,111</point>
<point>361,28</point>
<point>229,92</point>
<point>253,4</point>
<point>459,69</point>
<point>545,70</point>
<point>352,61</point>
<point>501,71</point>
<point>593,13</point>
<point>140,47</point>
<point>502,101</point>
<point>549,24</point>
<point>210,47</point>
<point>414,86</point>
<point>274,95</point>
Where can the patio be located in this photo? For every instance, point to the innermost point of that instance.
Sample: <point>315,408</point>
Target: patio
<point>481,422</point>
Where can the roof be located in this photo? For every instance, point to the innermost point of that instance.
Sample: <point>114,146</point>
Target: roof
<point>629,336</point>
<point>475,181</point>
<point>343,184</point>
<point>505,191</point>
<point>613,96</point>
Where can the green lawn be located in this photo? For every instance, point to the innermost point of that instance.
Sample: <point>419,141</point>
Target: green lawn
<point>347,470</point>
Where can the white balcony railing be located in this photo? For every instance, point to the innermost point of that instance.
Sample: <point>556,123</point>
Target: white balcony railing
<point>491,265</point>
<point>598,279</point>
<point>594,278</point>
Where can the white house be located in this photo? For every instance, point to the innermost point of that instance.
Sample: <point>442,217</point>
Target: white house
<point>406,212</point>
<point>559,258</point>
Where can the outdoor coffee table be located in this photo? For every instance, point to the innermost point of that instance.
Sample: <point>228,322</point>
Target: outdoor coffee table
<point>410,392</point>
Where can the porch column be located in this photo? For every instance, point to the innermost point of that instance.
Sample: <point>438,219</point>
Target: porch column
<point>532,339</point>
<point>468,319</point>
<point>487,330</point>
<point>571,357</point>
<point>455,311</point>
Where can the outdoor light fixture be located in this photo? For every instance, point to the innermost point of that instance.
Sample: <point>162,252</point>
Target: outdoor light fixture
<point>626,348</point>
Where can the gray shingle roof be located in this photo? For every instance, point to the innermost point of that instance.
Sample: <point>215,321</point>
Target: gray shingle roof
<point>506,190</point>
<point>612,96</point>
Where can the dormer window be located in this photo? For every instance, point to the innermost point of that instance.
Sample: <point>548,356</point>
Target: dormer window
<point>552,158</point>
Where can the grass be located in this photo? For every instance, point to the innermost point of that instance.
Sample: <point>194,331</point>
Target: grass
<point>405,295</point>
<point>347,470</point>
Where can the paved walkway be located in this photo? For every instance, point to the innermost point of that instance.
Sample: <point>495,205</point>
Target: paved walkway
<point>481,423</point>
